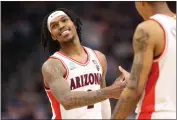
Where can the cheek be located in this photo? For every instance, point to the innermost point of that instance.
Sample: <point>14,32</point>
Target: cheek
<point>54,33</point>
<point>74,29</point>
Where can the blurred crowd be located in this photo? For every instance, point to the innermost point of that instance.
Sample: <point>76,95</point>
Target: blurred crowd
<point>107,27</point>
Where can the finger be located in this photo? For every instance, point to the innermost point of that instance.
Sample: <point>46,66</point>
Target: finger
<point>121,69</point>
<point>124,80</point>
<point>124,72</point>
<point>124,84</point>
<point>120,78</point>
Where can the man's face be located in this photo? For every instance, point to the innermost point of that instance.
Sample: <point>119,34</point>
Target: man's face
<point>62,29</point>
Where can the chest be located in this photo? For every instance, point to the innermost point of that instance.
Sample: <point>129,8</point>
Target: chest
<point>80,76</point>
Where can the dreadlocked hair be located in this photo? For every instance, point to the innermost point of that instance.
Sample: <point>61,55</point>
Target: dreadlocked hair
<point>46,39</point>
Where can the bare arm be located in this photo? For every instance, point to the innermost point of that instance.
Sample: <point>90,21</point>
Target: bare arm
<point>105,105</point>
<point>143,46</point>
<point>53,72</point>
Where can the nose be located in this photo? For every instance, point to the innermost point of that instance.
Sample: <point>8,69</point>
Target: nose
<point>61,26</point>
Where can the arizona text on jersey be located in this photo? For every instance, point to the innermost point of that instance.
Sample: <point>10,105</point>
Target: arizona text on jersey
<point>80,77</point>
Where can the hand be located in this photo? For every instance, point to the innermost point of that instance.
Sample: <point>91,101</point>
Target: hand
<point>124,73</point>
<point>117,87</point>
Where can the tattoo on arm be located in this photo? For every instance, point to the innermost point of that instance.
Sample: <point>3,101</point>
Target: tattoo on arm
<point>140,44</point>
<point>141,40</point>
<point>61,91</point>
<point>79,99</point>
<point>129,98</point>
<point>124,104</point>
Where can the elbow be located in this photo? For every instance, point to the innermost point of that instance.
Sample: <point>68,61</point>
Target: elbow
<point>66,103</point>
<point>66,106</point>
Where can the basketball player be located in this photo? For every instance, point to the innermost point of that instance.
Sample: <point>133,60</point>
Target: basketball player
<point>152,81</point>
<point>74,74</point>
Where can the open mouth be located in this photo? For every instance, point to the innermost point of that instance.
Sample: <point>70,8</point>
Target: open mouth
<point>65,32</point>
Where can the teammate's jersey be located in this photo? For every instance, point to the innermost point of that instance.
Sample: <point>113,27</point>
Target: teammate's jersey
<point>160,93</point>
<point>80,77</point>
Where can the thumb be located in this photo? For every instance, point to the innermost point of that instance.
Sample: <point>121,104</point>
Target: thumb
<point>124,72</point>
<point>121,69</point>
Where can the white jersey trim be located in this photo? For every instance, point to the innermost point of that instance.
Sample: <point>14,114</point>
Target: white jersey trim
<point>163,53</point>
<point>75,61</point>
<point>98,60</point>
<point>53,112</point>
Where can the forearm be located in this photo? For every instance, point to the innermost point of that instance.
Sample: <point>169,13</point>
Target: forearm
<point>106,109</point>
<point>76,99</point>
<point>126,104</point>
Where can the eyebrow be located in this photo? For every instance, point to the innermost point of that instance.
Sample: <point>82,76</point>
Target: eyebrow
<point>59,19</point>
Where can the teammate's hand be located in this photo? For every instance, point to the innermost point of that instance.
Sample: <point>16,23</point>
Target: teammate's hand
<point>117,87</point>
<point>124,73</point>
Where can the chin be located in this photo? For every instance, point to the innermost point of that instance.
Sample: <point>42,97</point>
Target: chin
<point>69,39</point>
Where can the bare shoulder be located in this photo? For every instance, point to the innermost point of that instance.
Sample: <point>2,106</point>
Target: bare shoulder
<point>148,32</point>
<point>156,35</point>
<point>153,28</point>
<point>149,25</point>
<point>100,55</point>
<point>52,67</point>
<point>103,61</point>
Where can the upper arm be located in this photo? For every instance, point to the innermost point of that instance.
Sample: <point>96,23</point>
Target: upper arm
<point>103,62</point>
<point>53,73</point>
<point>143,46</point>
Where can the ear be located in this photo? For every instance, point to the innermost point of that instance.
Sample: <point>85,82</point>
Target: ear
<point>53,37</point>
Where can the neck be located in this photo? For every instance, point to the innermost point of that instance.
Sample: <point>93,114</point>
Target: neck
<point>162,9</point>
<point>72,48</point>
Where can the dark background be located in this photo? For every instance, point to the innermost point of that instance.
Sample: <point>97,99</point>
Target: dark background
<point>108,27</point>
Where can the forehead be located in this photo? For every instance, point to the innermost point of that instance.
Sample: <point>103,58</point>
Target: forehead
<point>58,18</point>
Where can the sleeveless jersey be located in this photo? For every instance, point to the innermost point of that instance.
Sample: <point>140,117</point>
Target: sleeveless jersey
<point>160,92</point>
<point>80,77</point>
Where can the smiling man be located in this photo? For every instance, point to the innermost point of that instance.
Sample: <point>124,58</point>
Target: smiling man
<point>74,74</point>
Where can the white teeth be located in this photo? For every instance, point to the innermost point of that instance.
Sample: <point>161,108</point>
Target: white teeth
<point>65,32</point>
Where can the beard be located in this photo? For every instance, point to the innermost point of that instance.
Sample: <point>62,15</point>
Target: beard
<point>67,40</point>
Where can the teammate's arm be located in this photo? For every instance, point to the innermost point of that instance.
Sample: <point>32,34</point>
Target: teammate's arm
<point>143,57</point>
<point>105,105</point>
<point>53,73</point>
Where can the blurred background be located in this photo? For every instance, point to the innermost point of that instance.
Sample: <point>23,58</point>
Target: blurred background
<point>107,27</point>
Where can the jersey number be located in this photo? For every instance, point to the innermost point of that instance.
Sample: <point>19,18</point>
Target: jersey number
<point>90,106</point>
